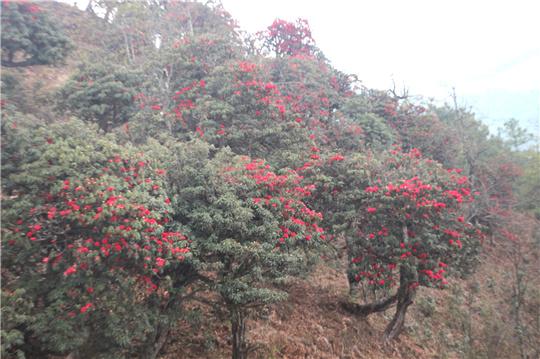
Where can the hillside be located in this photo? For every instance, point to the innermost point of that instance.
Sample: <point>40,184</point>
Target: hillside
<point>35,84</point>
<point>312,324</point>
<point>227,193</point>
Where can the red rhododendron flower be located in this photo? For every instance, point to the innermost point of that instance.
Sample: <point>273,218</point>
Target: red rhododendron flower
<point>70,270</point>
<point>337,157</point>
<point>86,307</point>
<point>160,262</point>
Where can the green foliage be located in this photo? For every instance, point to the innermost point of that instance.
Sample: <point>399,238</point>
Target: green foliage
<point>102,93</point>
<point>528,185</point>
<point>15,314</point>
<point>195,19</point>
<point>515,135</point>
<point>134,27</point>
<point>246,222</point>
<point>248,225</point>
<point>376,133</point>
<point>10,87</point>
<point>30,37</point>
<point>34,154</point>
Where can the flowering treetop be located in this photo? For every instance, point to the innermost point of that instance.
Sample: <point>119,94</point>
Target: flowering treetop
<point>413,214</point>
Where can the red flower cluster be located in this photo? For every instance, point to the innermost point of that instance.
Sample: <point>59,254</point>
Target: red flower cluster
<point>284,194</point>
<point>289,38</point>
<point>420,216</point>
<point>104,228</point>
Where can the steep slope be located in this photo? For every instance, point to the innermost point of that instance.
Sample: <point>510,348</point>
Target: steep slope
<point>470,320</point>
<point>473,319</point>
<point>34,85</point>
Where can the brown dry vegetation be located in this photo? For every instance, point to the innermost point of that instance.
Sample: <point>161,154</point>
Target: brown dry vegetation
<point>310,324</point>
<point>471,319</point>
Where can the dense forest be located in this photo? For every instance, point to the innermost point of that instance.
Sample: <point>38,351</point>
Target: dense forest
<point>174,187</point>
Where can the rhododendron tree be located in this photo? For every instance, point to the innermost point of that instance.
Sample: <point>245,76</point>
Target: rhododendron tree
<point>99,245</point>
<point>419,127</point>
<point>177,79</point>
<point>194,39</point>
<point>249,228</point>
<point>249,113</point>
<point>375,133</point>
<point>235,105</point>
<point>89,245</point>
<point>315,92</point>
<point>288,38</point>
<point>411,229</point>
<point>30,36</point>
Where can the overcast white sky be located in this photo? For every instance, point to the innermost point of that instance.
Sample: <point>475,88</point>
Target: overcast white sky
<point>428,44</point>
<point>488,50</point>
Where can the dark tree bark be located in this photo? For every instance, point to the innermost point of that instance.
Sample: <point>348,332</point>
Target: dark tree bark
<point>162,330</point>
<point>367,309</point>
<point>238,328</point>
<point>160,339</point>
<point>90,8</point>
<point>405,297</point>
<point>25,63</point>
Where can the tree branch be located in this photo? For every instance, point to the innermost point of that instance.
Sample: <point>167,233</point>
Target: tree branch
<point>367,309</point>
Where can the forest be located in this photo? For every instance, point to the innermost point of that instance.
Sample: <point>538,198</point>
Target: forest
<point>176,187</point>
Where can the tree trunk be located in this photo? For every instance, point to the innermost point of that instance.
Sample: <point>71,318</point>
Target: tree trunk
<point>367,309</point>
<point>28,62</point>
<point>190,21</point>
<point>239,346</point>
<point>127,43</point>
<point>90,7</point>
<point>405,297</point>
<point>160,339</point>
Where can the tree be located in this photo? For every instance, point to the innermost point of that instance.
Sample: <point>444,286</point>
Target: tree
<point>515,135</point>
<point>102,93</point>
<point>407,226</point>
<point>376,133</point>
<point>528,185</point>
<point>288,38</point>
<point>523,293</point>
<point>232,105</point>
<point>249,227</point>
<point>247,112</point>
<point>87,245</point>
<point>30,37</point>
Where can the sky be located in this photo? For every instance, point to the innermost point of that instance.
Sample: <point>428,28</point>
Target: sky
<point>489,51</point>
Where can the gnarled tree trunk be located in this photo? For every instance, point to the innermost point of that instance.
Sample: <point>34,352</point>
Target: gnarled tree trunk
<point>367,309</point>
<point>405,297</point>
<point>159,340</point>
